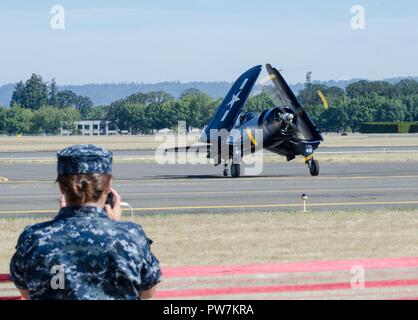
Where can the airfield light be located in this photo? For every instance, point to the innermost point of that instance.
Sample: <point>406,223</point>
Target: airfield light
<point>304,199</point>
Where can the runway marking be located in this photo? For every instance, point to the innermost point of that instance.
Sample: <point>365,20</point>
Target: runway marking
<point>249,206</point>
<point>312,191</point>
<point>287,205</point>
<point>223,179</point>
<point>150,155</point>
<point>29,211</point>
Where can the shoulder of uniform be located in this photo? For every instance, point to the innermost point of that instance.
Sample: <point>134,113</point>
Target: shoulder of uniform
<point>33,231</point>
<point>130,227</point>
<point>131,232</point>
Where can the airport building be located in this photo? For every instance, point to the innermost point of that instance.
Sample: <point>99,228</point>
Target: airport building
<point>93,127</point>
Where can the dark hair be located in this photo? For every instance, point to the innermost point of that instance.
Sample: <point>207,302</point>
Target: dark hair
<point>82,188</point>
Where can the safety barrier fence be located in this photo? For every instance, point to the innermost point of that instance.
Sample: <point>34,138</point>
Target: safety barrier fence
<point>5,279</point>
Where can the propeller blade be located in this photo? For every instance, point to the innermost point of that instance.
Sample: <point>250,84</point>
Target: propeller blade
<point>323,99</point>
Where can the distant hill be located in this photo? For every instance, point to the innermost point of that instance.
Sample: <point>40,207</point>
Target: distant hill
<point>103,94</point>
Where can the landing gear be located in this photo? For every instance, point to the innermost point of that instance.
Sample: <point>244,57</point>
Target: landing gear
<point>313,167</point>
<point>235,170</point>
<point>226,171</point>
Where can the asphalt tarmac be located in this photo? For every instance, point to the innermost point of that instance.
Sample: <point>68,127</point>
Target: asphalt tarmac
<point>28,190</point>
<point>46,155</point>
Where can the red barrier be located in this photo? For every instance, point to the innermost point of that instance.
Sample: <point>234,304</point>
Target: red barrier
<point>4,278</point>
<point>200,286</point>
<point>206,292</point>
<point>292,267</point>
<point>301,277</point>
<point>10,298</point>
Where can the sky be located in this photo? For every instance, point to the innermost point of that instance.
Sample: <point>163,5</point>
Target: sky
<point>206,40</point>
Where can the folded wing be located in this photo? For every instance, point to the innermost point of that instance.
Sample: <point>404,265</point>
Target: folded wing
<point>230,108</point>
<point>284,93</point>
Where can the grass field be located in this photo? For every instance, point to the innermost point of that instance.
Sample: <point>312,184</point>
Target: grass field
<point>54,143</point>
<point>27,144</point>
<point>225,239</point>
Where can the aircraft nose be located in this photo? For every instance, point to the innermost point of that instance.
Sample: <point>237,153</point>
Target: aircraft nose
<point>288,117</point>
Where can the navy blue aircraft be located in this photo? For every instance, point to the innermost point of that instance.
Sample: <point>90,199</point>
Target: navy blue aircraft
<point>286,129</point>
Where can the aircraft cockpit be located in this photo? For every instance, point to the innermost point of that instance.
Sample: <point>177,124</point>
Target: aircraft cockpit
<point>245,117</point>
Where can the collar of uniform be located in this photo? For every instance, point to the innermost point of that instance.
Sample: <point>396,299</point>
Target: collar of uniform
<point>82,211</point>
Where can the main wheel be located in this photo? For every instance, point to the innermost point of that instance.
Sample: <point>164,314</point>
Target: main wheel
<point>235,170</point>
<point>314,168</point>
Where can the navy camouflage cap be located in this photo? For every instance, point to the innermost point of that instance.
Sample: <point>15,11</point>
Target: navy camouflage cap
<point>84,159</point>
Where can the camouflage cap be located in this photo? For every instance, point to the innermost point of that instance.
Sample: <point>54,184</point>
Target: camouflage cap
<point>84,159</point>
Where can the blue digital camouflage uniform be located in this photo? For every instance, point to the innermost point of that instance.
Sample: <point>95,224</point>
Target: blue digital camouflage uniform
<point>83,159</point>
<point>98,257</point>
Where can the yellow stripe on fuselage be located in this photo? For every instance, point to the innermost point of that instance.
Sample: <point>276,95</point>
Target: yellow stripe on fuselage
<point>250,135</point>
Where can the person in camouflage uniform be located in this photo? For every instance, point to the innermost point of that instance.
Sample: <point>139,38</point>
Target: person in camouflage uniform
<point>85,252</point>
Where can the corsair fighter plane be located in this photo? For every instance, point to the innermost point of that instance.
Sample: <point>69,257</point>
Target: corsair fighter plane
<point>286,128</point>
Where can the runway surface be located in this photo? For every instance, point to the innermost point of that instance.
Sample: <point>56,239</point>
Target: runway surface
<point>49,155</point>
<point>176,189</point>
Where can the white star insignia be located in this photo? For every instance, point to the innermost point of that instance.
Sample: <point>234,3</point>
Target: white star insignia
<point>235,99</point>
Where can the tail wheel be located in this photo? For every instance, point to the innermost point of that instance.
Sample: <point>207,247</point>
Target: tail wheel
<point>235,170</point>
<point>314,168</point>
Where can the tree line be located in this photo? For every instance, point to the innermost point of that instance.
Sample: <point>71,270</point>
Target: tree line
<point>37,107</point>
<point>362,101</point>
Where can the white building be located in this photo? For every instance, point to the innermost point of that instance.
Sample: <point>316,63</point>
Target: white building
<point>92,127</point>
